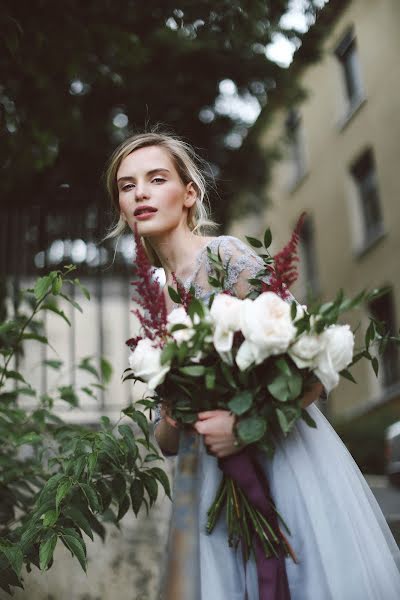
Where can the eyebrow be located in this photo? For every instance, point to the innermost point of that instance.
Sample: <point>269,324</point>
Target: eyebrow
<point>129,178</point>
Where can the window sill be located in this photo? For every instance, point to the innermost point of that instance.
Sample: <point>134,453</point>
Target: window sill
<point>352,110</point>
<point>370,243</point>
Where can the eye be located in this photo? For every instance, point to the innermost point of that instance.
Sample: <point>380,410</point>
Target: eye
<point>127,187</point>
<point>158,180</point>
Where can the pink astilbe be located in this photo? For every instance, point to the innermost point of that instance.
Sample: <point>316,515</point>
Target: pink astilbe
<point>149,295</point>
<point>284,271</point>
<point>186,296</point>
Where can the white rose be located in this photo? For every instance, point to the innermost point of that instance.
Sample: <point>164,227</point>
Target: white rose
<point>225,312</point>
<point>266,324</point>
<point>246,355</point>
<point>336,356</point>
<point>225,315</point>
<point>179,316</point>
<point>145,362</point>
<point>305,350</point>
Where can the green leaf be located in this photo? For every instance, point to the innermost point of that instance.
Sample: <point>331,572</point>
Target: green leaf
<point>267,238</point>
<point>72,302</point>
<point>163,479</point>
<point>57,284</point>
<point>33,336</point>
<point>62,490</point>
<point>79,519</point>
<point>168,353</point>
<point>283,366</point>
<point>106,370</point>
<point>174,295</point>
<point>347,375</point>
<point>54,364</point>
<point>85,365</point>
<point>136,493</point>
<point>307,418</point>
<point>210,378</point>
<point>129,438</point>
<point>50,518</point>
<point>91,496</point>
<point>77,548</point>
<point>254,242</point>
<point>29,438</point>
<point>13,554</point>
<point>150,484</point>
<point>279,388</point>
<point>42,286</point>
<point>227,373</point>
<point>375,365</point>
<point>68,394</point>
<point>53,308</point>
<point>282,420</point>
<point>193,370</point>
<point>83,289</point>
<point>241,402</point>
<point>251,429</point>
<point>139,418</point>
<point>46,551</point>
<point>123,507</point>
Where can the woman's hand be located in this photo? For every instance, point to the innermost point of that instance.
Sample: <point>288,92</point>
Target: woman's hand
<point>217,428</point>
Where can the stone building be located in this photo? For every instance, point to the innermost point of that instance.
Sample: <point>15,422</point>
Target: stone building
<point>340,149</point>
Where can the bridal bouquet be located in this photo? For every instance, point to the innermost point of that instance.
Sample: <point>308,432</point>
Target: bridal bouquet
<point>255,357</point>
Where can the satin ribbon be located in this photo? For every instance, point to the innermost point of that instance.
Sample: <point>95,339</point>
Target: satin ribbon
<point>271,572</point>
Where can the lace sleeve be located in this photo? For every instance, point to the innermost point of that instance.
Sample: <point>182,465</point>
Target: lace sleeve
<point>242,264</point>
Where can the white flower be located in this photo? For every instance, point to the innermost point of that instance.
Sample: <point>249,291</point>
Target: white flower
<point>179,316</point>
<point>145,362</point>
<point>306,349</point>
<point>225,315</point>
<point>225,312</point>
<point>336,356</point>
<point>267,327</point>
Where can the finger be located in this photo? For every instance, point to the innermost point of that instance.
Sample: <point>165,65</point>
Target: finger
<point>171,422</point>
<point>206,414</point>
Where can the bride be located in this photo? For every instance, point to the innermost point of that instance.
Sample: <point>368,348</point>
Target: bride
<point>344,547</point>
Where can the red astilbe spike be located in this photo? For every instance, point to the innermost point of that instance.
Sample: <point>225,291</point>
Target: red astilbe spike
<point>186,296</point>
<point>149,295</point>
<point>284,271</point>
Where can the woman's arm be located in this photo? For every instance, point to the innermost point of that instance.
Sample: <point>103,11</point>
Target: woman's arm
<point>166,433</point>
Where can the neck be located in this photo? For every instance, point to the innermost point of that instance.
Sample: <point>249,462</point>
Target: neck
<point>177,251</point>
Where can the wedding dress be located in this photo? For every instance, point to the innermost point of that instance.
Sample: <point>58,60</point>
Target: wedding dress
<point>344,546</point>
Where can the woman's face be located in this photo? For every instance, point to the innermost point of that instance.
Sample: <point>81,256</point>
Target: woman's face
<point>151,193</point>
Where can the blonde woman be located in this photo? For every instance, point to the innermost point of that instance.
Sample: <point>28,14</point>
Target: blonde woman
<point>345,548</point>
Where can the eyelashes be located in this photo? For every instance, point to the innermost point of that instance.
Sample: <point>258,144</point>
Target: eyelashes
<point>129,186</point>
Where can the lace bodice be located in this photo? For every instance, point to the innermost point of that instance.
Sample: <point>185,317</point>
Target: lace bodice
<point>241,262</point>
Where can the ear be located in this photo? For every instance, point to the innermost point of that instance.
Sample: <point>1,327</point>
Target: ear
<point>191,195</point>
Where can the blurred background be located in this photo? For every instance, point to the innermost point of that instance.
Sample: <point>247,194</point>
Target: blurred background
<point>294,104</point>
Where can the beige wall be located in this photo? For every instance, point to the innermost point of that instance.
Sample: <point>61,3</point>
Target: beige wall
<point>326,191</point>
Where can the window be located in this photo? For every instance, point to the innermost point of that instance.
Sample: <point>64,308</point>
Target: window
<point>382,309</point>
<point>347,54</point>
<point>363,172</point>
<point>308,258</point>
<point>295,137</point>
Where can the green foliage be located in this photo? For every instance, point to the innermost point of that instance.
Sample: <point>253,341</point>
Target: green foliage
<point>66,74</point>
<point>58,481</point>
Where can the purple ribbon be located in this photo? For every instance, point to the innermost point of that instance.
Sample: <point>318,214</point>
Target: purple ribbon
<point>271,572</point>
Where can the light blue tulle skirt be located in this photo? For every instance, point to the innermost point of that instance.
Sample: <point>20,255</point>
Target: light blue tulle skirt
<point>338,532</point>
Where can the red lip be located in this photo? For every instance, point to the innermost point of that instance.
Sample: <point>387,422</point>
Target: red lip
<point>144,209</point>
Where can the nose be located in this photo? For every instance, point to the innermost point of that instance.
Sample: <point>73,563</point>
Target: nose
<point>142,191</point>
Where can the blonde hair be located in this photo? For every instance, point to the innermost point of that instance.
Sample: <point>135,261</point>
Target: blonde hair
<point>187,164</point>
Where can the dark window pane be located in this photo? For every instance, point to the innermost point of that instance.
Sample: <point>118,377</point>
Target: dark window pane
<point>382,309</point>
<point>364,174</point>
